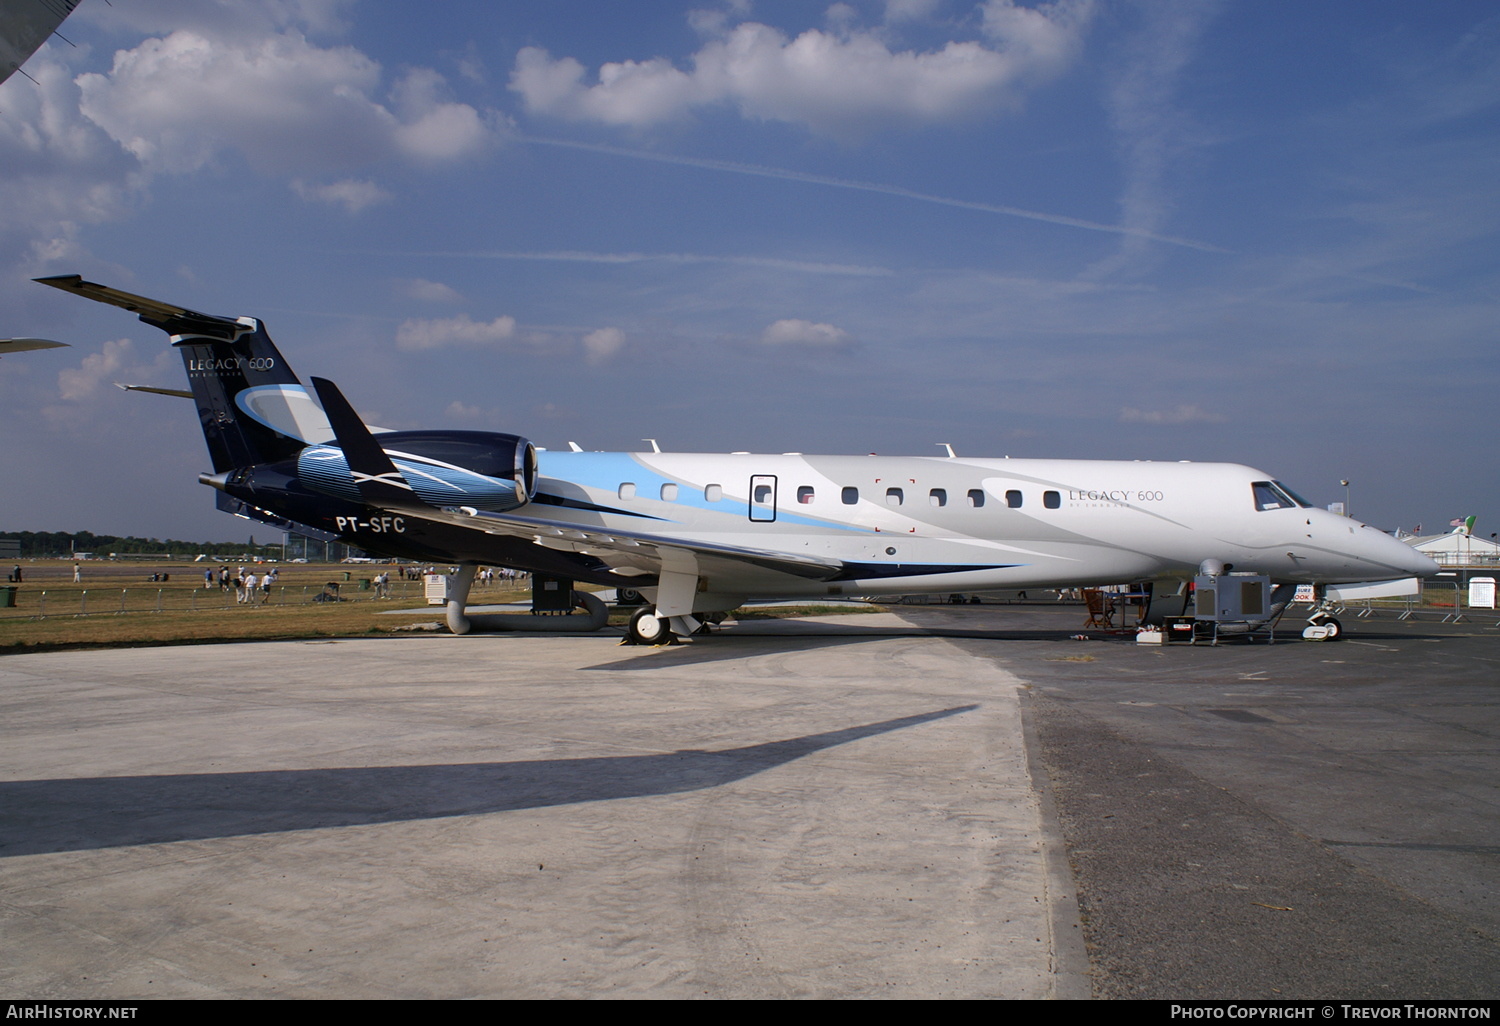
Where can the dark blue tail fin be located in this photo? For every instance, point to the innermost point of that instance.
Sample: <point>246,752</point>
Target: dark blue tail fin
<point>250,403</point>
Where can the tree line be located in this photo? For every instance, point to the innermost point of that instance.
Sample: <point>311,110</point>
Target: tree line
<point>50,544</point>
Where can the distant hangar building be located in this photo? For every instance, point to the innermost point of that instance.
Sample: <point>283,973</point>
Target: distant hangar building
<point>1458,549</point>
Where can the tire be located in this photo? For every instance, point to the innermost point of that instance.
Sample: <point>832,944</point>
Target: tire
<point>646,628</point>
<point>1335,629</point>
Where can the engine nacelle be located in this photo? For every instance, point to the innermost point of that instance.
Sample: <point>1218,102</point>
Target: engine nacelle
<point>481,469</point>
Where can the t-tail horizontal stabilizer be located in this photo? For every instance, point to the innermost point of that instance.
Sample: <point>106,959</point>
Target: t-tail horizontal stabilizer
<point>379,482</point>
<point>169,317</point>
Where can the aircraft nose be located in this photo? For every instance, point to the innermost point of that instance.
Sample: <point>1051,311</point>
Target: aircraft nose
<point>1401,556</point>
<point>1419,563</point>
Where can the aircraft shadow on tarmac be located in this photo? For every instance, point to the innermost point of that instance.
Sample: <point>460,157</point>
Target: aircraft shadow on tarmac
<point>722,646</point>
<point>40,816</point>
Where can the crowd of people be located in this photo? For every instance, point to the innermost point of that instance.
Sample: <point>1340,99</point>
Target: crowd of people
<point>252,588</point>
<point>249,588</point>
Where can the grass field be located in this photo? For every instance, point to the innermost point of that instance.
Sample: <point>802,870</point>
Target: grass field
<point>117,603</point>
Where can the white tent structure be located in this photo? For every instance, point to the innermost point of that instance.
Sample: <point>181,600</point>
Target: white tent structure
<point>1460,548</point>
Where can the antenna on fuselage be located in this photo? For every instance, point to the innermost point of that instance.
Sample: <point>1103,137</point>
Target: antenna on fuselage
<point>951,454</point>
<point>654,446</point>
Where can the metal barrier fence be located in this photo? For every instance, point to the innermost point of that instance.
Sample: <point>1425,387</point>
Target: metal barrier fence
<point>1438,602</point>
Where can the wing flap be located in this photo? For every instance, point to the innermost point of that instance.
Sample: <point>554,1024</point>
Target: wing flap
<point>638,549</point>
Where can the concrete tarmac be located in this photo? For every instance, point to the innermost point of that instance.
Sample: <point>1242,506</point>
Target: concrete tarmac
<point>945,803</point>
<point>754,815</point>
<point>1294,820</point>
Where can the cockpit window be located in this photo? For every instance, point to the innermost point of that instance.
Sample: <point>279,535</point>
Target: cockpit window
<point>1270,495</point>
<point>1299,500</point>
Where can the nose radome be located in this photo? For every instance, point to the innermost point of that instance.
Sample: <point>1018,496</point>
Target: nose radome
<point>1422,565</point>
<point>1402,555</point>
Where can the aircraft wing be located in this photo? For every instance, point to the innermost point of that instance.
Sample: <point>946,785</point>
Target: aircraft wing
<point>178,392</point>
<point>633,553</point>
<point>25,26</point>
<point>21,345</point>
<point>628,553</point>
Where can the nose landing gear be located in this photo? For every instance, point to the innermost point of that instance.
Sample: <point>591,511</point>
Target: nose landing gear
<point>1322,625</point>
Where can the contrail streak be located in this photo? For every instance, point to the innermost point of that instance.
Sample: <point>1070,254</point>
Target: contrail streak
<point>584,257</point>
<point>761,171</point>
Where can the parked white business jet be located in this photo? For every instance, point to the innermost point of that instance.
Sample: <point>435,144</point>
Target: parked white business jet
<point>700,533</point>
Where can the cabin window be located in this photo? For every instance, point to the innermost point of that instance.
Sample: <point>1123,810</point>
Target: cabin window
<point>894,496</point>
<point>938,496</point>
<point>804,494</point>
<point>850,496</point>
<point>1013,498</point>
<point>669,493</point>
<point>976,497</point>
<point>1052,500</point>
<point>762,494</point>
<point>627,490</point>
<point>713,493</point>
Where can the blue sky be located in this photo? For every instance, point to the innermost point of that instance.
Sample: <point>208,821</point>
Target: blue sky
<point>1258,232</point>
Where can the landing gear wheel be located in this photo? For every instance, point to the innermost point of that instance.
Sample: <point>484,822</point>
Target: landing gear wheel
<point>1335,629</point>
<point>646,628</point>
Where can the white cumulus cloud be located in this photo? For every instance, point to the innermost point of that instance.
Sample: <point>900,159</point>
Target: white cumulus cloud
<point>280,101</point>
<point>602,344</point>
<point>1190,413</point>
<point>220,80</point>
<point>839,81</point>
<point>428,291</point>
<point>81,382</point>
<point>416,335</point>
<point>794,332</point>
<point>60,170</point>
<point>354,194</point>
<point>433,127</point>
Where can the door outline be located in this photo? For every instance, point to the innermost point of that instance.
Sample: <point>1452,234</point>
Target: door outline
<point>762,510</point>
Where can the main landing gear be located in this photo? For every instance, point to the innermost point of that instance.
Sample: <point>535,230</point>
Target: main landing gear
<point>646,628</point>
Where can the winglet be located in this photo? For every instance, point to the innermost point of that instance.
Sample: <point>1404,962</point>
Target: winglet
<point>376,477</point>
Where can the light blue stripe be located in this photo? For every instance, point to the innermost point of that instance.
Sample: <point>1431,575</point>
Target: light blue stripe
<point>606,471</point>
